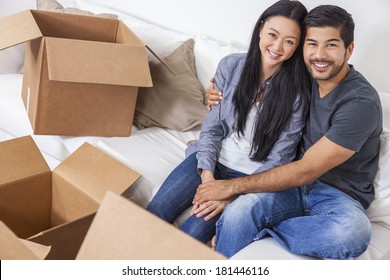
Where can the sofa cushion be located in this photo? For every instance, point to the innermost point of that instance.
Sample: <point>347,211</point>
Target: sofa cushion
<point>175,102</point>
<point>379,211</point>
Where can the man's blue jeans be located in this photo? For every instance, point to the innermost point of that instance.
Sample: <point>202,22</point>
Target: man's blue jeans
<point>176,195</point>
<point>316,220</point>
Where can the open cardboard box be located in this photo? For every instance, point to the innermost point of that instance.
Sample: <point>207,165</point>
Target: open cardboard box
<point>34,199</point>
<point>132,233</point>
<point>81,73</point>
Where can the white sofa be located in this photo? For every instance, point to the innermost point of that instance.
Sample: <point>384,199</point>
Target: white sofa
<point>155,151</point>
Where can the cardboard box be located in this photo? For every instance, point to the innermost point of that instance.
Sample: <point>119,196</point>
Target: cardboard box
<point>14,248</point>
<point>132,233</point>
<point>81,73</point>
<point>34,199</point>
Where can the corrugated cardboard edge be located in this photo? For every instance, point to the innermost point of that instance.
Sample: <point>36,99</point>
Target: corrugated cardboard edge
<point>159,59</point>
<point>123,230</point>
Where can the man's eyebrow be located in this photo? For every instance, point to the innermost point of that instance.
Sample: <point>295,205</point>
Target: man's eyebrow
<point>329,40</point>
<point>333,40</point>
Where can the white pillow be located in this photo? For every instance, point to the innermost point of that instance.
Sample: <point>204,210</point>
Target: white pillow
<point>161,40</point>
<point>208,52</point>
<point>379,211</point>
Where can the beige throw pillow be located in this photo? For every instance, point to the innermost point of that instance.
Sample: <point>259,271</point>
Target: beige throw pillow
<point>54,6</point>
<point>174,102</point>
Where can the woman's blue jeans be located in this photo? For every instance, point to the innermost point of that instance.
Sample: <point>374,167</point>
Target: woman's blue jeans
<point>176,195</point>
<point>316,220</point>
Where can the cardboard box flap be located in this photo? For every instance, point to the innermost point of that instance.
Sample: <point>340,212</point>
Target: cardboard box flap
<point>122,230</point>
<point>13,248</point>
<point>65,240</point>
<point>75,26</point>
<point>24,153</point>
<point>94,172</point>
<point>18,28</point>
<point>39,250</point>
<point>97,62</point>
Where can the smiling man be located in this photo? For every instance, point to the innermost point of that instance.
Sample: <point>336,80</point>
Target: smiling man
<point>315,205</point>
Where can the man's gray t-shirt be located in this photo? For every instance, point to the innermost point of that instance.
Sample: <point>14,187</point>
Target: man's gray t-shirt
<point>350,116</point>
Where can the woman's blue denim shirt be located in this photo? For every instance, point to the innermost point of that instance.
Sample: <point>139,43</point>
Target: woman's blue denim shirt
<point>220,122</point>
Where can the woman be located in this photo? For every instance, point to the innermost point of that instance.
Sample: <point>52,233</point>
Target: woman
<point>257,125</point>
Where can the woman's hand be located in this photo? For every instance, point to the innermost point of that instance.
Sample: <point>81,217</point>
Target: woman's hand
<point>212,208</point>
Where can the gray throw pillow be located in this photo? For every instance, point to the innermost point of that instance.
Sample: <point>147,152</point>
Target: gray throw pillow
<point>175,102</point>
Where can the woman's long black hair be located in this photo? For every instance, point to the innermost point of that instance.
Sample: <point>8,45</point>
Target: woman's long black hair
<point>289,82</point>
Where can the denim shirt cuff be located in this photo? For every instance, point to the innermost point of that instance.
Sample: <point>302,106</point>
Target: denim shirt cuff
<point>205,165</point>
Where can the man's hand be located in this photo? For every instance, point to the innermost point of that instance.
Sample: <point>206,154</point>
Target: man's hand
<point>214,190</point>
<point>213,97</point>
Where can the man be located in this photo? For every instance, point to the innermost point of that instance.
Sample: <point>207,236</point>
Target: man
<point>315,205</point>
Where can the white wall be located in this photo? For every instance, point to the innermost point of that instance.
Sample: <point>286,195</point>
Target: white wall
<point>232,21</point>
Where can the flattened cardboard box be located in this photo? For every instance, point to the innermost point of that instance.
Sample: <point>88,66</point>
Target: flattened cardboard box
<point>81,73</point>
<point>122,230</point>
<point>34,199</point>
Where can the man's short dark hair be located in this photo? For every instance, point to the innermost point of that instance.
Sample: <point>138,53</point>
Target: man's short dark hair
<point>332,16</point>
